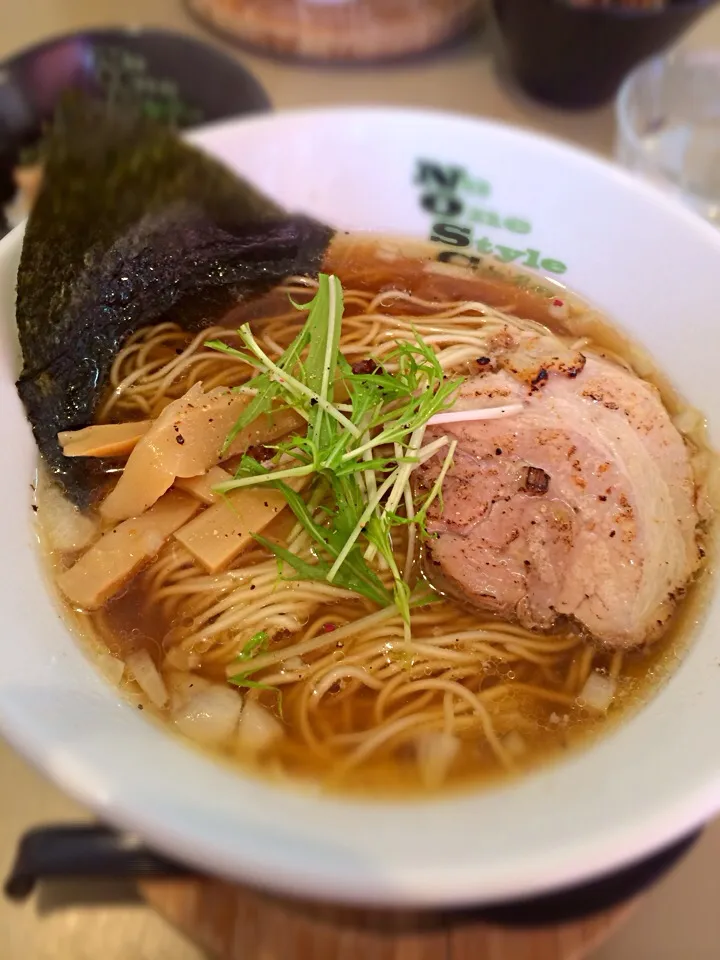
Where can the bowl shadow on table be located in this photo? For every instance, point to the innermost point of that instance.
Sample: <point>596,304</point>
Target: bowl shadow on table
<point>60,895</point>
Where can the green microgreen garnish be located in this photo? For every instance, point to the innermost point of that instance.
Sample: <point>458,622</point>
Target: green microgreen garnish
<point>357,455</point>
<point>257,643</point>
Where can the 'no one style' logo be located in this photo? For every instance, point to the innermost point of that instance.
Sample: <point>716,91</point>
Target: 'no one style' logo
<point>461,215</point>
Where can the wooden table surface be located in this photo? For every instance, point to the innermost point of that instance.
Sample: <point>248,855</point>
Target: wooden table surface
<point>679,920</point>
<point>236,923</point>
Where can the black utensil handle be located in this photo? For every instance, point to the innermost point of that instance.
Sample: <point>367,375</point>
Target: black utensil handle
<point>83,851</point>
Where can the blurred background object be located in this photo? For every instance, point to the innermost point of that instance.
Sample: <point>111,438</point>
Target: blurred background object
<point>575,53</point>
<point>170,77</point>
<point>341,30</point>
<point>669,126</point>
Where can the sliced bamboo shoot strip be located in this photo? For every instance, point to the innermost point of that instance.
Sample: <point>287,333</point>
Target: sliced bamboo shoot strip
<point>103,439</point>
<point>202,487</point>
<point>225,529</point>
<point>110,562</point>
<point>185,441</point>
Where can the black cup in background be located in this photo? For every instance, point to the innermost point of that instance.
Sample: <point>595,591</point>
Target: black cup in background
<point>577,57</point>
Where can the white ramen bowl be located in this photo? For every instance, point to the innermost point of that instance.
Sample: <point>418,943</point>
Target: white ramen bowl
<point>655,268</point>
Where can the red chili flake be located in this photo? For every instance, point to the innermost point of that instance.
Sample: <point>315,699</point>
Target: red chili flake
<point>558,303</point>
<point>328,627</point>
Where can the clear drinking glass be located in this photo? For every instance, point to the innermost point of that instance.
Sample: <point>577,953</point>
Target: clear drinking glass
<point>668,113</point>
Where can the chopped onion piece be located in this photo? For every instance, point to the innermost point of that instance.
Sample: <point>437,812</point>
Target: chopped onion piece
<point>558,309</point>
<point>147,676</point>
<point>210,716</point>
<point>182,686</point>
<point>285,621</point>
<point>482,413</point>
<point>258,729</point>
<point>111,668</point>
<point>598,692</point>
<point>435,754</point>
<point>293,663</point>
<point>66,528</point>
<point>181,660</point>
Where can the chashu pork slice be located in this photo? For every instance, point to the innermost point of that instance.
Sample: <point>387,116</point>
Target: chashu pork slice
<point>582,504</point>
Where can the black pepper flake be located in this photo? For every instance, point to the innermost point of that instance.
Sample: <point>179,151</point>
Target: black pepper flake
<point>34,507</point>
<point>313,402</point>
<point>180,439</point>
<point>498,452</point>
<point>265,502</point>
<point>542,374</point>
<point>602,497</point>
<point>612,533</point>
<point>252,586</point>
<point>483,361</point>
<point>140,707</point>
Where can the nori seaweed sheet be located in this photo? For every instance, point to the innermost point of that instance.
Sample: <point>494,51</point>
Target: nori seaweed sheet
<point>133,225</point>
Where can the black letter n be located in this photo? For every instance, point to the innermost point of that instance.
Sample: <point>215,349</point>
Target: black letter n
<point>434,174</point>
